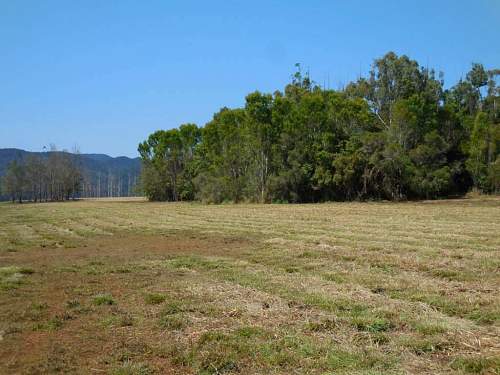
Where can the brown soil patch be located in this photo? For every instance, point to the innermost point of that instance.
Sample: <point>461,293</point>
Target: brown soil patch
<point>42,334</point>
<point>125,247</point>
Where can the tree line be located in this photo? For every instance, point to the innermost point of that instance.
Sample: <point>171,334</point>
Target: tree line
<point>396,134</point>
<point>54,177</point>
<point>62,175</point>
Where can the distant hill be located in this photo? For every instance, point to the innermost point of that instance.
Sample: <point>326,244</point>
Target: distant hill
<point>103,175</point>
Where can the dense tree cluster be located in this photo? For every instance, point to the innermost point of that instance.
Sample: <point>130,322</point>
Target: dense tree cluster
<point>56,177</point>
<point>397,134</point>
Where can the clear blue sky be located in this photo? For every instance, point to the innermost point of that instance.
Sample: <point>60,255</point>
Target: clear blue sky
<point>105,74</point>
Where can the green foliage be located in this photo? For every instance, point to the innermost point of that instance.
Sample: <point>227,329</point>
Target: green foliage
<point>394,135</point>
<point>483,153</point>
<point>167,158</point>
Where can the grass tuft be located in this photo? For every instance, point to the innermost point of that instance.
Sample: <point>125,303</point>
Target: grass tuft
<point>103,299</point>
<point>154,298</point>
<point>477,365</point>
<point>130,368</point>
<point>12,276</point>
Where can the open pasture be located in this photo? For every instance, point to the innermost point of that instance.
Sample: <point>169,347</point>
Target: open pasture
<point>133,287</point>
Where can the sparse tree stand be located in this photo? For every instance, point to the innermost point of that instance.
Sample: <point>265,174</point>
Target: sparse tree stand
<point>14,181</point>
<point>36,178</point>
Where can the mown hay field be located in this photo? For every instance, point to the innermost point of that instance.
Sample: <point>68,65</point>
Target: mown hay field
<point>133,287</point>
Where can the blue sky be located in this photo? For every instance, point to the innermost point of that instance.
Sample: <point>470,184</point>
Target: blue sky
<point>103,75</point>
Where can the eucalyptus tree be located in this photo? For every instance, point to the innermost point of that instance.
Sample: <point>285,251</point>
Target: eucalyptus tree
<point>263,133</point>
<point>225,158</point>
<point>166,156</point>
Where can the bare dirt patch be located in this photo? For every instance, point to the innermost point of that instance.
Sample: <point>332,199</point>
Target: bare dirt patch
<point>49,323</point>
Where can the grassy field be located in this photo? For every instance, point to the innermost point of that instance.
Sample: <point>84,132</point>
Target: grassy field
<point>132,287</point>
